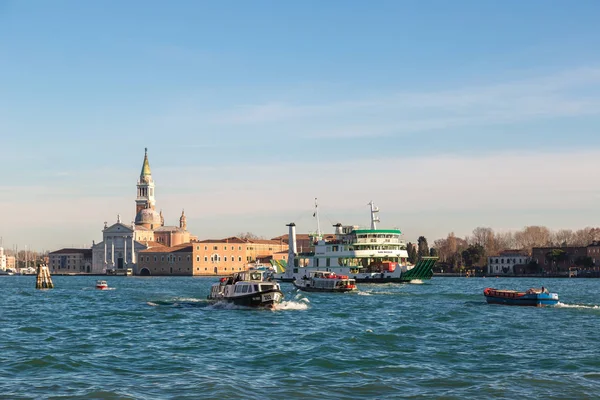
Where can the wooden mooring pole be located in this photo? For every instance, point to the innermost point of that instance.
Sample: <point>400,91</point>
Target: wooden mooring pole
<point>43,278</point>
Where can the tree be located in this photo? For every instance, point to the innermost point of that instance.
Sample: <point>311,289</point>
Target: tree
<point>556,256</point>
<point>412,254</point>
<point>423,247</point>
<point>433,252</point>
<point>248,236</point>
<point>532,236</point>
<point>564,237</point>
<point>473,254</point>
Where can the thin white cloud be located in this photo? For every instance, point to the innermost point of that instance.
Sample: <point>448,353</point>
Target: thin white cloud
<point>553,96</point>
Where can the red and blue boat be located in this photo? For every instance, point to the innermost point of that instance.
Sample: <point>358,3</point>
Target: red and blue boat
<point>537,297</point>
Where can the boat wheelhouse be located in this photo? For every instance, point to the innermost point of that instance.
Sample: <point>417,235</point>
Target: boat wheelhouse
<point>364,254</point>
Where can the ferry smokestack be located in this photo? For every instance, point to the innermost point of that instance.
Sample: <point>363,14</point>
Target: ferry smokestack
<point>338,228</point>
<point>292,250</point>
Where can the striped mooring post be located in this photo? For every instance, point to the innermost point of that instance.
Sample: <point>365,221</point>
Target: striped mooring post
<point>43,278</point>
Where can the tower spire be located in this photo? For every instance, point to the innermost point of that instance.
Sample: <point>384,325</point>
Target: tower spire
<point>145,166</point>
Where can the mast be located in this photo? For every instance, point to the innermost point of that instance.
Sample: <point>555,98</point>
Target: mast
<point>374,217</point>
<point>316,214</point>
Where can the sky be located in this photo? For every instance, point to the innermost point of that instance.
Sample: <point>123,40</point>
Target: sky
<point>448,115</point>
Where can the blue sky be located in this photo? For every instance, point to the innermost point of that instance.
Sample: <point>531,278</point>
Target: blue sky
<point>448,115</point>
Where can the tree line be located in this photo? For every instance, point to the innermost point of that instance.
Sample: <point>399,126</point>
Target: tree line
<point>474,249</point>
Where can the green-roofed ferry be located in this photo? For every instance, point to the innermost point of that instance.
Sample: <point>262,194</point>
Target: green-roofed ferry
<point>366,255</point>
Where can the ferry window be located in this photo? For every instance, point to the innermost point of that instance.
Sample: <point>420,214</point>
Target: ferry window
<point>256,288</point>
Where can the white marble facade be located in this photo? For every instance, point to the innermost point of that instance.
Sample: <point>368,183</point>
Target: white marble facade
<point>117,250</point>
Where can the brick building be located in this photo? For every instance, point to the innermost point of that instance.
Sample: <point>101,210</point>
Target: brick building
<point>208,257</point>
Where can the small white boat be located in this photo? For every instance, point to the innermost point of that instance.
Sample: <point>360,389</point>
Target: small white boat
<point>101,285</point>
<point>325,281</point>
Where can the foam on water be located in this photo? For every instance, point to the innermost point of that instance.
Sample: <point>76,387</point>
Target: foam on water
<point>591,307</point>
<point>292,305</point>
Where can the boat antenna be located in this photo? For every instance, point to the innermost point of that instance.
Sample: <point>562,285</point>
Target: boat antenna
<point>374,217</point>
<point>316,215</point>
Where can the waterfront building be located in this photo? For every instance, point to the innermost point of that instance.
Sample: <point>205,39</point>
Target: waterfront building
<point>593,252</point>
<point>11,263</point>
<point>3,265</point>
<point>208,257</point>
<point>71,260</point>
<point>506,261</point>
<point>571,258</point>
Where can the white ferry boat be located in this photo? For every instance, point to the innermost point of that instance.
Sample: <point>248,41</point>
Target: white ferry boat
<point>365,255</point>
<point>248,288</point>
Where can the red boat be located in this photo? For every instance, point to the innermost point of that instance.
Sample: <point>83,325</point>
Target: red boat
<point>102,285</point>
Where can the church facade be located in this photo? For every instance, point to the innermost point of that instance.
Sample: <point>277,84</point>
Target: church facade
<point>121,243</point>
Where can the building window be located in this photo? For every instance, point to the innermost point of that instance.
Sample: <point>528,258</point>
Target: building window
<point>240,258</point>
<point>179,258</point>
<point>240,248</point>
<point>197,258</point>
<point>225,258</point>
<point>154,258</point>
<point>215,248</point>
<point>206,259</point>
<point>224,247</point>
<point>205,247</point>
<point>162,258</point>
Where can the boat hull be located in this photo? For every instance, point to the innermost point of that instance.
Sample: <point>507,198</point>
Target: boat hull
<point>511,298</point>
<point>264,299</point>
<point>317,289</point>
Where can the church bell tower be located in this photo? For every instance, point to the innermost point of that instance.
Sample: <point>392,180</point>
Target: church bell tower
<point>145,187</point>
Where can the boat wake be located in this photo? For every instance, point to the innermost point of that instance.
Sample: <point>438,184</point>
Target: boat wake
<point>416,282</point>
<point>586,306</point>
<point>300,305</point>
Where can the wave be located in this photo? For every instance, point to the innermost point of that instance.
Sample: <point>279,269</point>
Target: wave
<point>587,306</point>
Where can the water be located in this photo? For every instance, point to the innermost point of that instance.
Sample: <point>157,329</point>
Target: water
<point>158,338</point>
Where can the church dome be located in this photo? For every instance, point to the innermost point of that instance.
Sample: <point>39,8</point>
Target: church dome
<point>148,216</point>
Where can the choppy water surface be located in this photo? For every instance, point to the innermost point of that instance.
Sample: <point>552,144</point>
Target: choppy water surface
<point>153,338</point>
